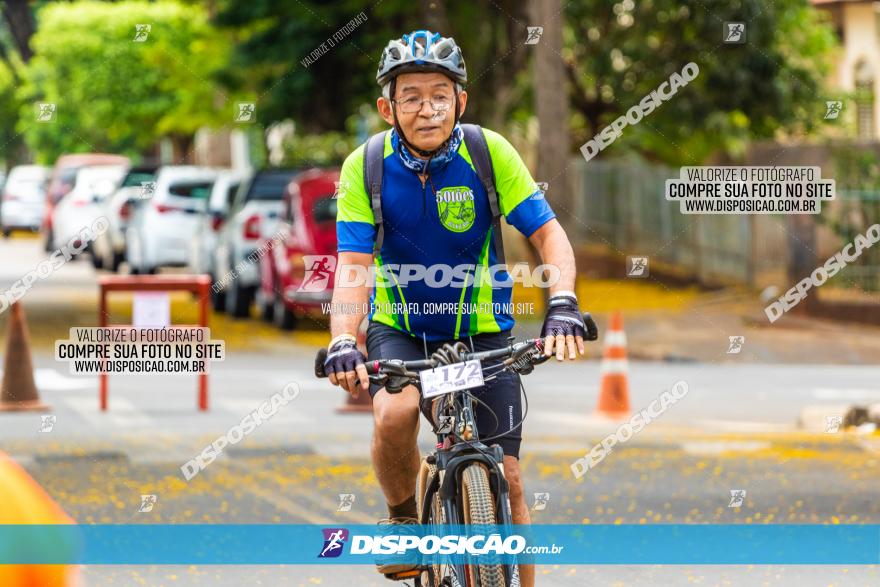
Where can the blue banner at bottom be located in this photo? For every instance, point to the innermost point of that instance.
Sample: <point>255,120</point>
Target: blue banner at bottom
<point>569,544</point>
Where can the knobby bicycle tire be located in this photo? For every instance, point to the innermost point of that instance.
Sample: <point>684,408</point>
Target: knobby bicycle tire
<point>478,507</point>
<point>426,474</point>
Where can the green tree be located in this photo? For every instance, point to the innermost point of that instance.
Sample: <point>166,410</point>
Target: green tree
<point>618,51</point>
<point>11,147</point>
<point>273,39</point>
<point>115,93</point>
<point>9,139</point>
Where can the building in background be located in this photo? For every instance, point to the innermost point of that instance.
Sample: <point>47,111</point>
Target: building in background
<point>857,65</point>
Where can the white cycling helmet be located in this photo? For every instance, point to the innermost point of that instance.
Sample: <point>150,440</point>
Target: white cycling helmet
<point>422,51</point>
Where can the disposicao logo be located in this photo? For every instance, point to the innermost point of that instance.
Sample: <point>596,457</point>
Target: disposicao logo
<point>334,540</point>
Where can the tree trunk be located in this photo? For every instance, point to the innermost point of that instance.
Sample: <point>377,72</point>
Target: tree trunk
<point>551,107</point>
<point>21,26</point>
<point>434,17</point>
<point>183,152</point>
<point>511,59</point>
<point>4,57</point>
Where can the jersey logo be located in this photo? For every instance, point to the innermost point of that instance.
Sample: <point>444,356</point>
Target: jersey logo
<point>456,208</point>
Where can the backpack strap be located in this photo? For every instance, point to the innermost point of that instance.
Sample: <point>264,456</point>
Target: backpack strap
<point>482,160</point>
<point>374,155</point>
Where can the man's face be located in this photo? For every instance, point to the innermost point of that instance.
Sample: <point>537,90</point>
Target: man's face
<point>425,128</point>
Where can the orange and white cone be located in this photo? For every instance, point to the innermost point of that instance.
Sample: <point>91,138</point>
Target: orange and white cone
<point>18,392</point>
<point>614,386</point>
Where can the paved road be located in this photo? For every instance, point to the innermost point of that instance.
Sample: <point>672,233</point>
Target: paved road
<point>721,398</point>
<point>737,428</point>
<point>788,478</point>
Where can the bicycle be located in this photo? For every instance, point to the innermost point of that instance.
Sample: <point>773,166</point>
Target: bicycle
<point>462,482</point>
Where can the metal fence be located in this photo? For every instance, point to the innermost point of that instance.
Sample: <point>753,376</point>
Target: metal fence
<point>851,214</point>
<point>622,205</point>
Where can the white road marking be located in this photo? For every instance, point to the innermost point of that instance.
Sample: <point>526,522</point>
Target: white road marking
<point>52,380</point>
<point>871,445</point>
<point>243,407</point>
<point>704,448</point>
<point>834,393</point>
<point>743,426</point>
<point>120,412</point>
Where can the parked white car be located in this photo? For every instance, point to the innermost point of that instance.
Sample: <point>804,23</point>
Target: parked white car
<point>23,199</point>
<point>109,247</point>
<point>161,227</point>
<point>204,243</point>
<point>254,218</point>
<point>82,205</point>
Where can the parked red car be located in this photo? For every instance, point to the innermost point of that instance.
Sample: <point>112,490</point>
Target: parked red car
<point>296,272</point>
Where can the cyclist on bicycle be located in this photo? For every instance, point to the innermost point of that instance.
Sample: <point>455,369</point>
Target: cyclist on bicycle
<point>434,210</point>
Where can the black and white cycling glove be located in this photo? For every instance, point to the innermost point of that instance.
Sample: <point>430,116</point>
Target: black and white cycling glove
<point>563,317</point>
<point>343,356</point>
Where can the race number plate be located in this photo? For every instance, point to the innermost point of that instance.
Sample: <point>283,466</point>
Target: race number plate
<point>449,378</point>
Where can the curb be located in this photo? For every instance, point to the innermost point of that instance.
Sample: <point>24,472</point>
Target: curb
<point>830,418</point>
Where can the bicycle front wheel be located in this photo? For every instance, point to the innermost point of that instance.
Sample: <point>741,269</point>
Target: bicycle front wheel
<point>478,507</point>
<point>434,576</point>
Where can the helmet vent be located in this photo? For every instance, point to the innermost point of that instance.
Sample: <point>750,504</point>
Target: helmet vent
<point>419,46</point>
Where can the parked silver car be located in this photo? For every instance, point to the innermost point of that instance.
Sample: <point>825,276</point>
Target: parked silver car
<point>162,226</point>
<point>109,247</point>
<point>23,198</point>
<point>254,217</point>
<point>204,242</point>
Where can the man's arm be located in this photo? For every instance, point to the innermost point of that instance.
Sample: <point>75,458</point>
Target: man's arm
<point>523,204</point>
<point>356,298</point>
<point>355,235</point>
<point>552,245</point>
<point>554,248</point>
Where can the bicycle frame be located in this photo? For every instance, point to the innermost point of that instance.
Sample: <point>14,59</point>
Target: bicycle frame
<point>450,462</point>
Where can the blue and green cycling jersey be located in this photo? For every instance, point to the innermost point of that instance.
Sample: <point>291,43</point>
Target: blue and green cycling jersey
<point>444,226</point>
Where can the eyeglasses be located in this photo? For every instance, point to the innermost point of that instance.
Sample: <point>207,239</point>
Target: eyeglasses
<point>412,105</point>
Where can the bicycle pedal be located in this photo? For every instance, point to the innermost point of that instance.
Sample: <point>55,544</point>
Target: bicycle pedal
<point>405,575</point>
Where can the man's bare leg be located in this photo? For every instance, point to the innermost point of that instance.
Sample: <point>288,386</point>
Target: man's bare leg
<point>519,511</point>
<point>394,448</point>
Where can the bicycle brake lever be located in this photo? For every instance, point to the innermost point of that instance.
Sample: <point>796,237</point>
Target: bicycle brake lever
<point>396,383</point>
<point>590,327</point>
<point>319,363</point>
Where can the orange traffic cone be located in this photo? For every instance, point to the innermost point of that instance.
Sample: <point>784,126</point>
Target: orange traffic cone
<point>18,392</point>
<point>364,403</point>
<point>614,387</point>
<point>23,501</point>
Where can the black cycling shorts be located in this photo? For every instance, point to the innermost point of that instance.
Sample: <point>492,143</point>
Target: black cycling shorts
<point>501,395</point>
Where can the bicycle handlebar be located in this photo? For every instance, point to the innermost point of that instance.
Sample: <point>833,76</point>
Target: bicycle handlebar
<point>511,353</point>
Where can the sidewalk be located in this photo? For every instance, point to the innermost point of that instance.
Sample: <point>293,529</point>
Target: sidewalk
<point>698,330</point>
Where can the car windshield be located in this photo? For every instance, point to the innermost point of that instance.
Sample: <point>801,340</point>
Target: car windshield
<point>230,193</point>
<point>68,175</point>
<point>269,187</point>
<point>96,182</point>
<point>195,190</point>
<point>29,188</point>
<point>324,210</point>
<point>136,178</point>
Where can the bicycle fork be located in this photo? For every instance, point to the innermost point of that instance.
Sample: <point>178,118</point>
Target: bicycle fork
<point>449,466</point>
